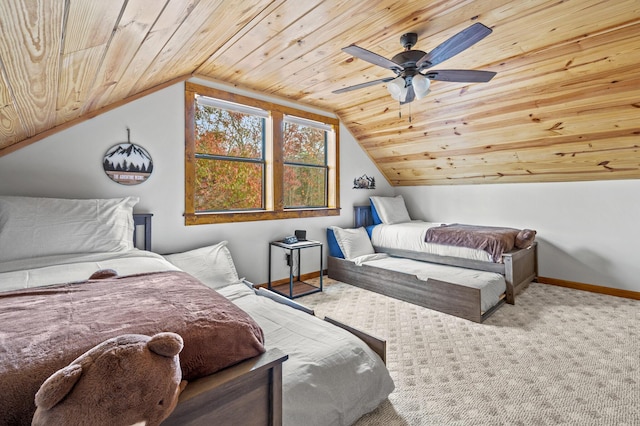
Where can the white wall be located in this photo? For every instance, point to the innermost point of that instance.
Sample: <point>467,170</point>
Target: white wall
<point>588,232</point>
<point>69,164</point>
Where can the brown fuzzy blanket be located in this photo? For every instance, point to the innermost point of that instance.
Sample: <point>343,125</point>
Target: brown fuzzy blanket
<point>494,240</point>
<point>44,329</point>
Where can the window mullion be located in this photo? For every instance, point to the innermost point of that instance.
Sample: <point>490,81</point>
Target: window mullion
<point>333,161</point>
<point>230,158</point>
<point>277,134</point>
<point>311,166</point>
<point>190,152</point>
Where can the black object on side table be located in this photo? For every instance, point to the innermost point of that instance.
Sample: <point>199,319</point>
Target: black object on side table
<point>297,287</point>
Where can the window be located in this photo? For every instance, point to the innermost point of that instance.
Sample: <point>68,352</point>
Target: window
<point>230,161</point>
<point>305,162</point>
<point>247,159</point>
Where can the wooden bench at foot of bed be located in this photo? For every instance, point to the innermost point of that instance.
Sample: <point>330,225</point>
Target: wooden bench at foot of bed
<point>442,296</point>
<point>519,267</point>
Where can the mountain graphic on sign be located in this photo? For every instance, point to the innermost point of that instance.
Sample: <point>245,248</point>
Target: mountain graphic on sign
<point>128,157</point>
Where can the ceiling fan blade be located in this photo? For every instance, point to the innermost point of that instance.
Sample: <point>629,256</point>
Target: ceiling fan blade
<point>461,76</point>
<point>454,45</point>
<point>371,57</point>
<point>361,85</point>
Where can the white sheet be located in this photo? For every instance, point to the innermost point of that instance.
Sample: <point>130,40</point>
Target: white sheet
<point>411,235</point>
<point>492,285</point>
<point>70,268</point>
<point>331,377</point>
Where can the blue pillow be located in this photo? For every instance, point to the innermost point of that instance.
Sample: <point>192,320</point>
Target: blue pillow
<point>374,214</point>
<point>370,229</point>
<point>334,247</point>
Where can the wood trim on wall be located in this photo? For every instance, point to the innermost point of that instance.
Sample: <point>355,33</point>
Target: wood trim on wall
<point>628,294</point>
<point>303,277</point>
<point>203,219</point>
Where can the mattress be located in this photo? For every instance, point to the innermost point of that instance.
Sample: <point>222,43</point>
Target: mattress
<point>492,285</point>
<point>331,377</point>
<point>411,236</point>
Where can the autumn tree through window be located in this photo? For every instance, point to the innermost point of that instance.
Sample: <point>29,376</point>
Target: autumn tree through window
<point>230,161</point>
<point>247,159</point>
<point>305,162</point>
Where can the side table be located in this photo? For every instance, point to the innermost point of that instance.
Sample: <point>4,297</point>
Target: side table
<point>296,287</point>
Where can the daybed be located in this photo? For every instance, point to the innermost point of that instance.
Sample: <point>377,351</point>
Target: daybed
<point>48,249</point>
<point>467,282</point>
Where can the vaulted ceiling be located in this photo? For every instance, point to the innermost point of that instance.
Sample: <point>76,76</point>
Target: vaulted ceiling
<point>564,105</point>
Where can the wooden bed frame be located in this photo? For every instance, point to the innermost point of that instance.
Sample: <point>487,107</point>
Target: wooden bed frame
<point>442,296</point>
<point>248,393</point>
<point>519,268</point>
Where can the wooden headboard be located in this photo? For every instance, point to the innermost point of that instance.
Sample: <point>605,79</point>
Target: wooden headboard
<point>362,216</point>
<point>142,220</point>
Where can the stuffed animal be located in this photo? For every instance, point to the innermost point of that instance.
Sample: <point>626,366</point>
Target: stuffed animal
<point>126,380</point>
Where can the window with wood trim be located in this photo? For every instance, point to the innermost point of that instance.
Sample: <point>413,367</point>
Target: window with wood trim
<point>248,159</point>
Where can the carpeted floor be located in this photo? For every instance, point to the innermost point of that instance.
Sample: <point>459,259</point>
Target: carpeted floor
<point>558,357</point>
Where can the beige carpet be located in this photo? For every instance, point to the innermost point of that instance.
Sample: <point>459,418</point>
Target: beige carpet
<point>558,357</point>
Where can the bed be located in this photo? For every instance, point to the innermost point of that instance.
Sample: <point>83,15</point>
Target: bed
<point>517,261</point>
<point>458,280</point>
<point>293,368</point>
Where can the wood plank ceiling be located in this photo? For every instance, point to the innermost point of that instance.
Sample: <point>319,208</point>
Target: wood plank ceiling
<point>564,106</point>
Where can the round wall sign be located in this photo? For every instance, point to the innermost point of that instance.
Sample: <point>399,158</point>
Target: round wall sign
<point>127,164</point>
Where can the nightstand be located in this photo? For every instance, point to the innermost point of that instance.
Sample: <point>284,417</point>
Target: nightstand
<point>296,287</point>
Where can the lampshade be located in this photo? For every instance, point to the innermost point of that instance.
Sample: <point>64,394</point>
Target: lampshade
<point>420,85</point>
<point>397,89</point>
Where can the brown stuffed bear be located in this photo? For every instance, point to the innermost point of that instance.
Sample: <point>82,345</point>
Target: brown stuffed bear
<point>124,380</point>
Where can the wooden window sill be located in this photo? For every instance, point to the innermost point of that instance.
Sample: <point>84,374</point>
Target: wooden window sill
<point>206,218</point>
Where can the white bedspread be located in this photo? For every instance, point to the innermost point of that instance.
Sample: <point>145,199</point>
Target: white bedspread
<point>492,285</point>
<point>331,377</point>
<point>411,236</point>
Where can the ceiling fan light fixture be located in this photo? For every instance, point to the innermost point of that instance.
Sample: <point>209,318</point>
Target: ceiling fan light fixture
<point>409,83</point>
<point>397,89</point>
<point>420,85</point>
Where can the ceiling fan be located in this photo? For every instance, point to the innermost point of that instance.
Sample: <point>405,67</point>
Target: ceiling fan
<point>412,78</point>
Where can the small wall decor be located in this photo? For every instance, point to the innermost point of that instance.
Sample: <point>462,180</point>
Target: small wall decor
<point>364,182</point>
<point>127,163</point>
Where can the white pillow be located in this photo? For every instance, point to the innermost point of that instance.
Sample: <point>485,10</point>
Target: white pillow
<point>213,265</point>
<point>391,209</point>
<point>353,242</point>
<point>34,227</point>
